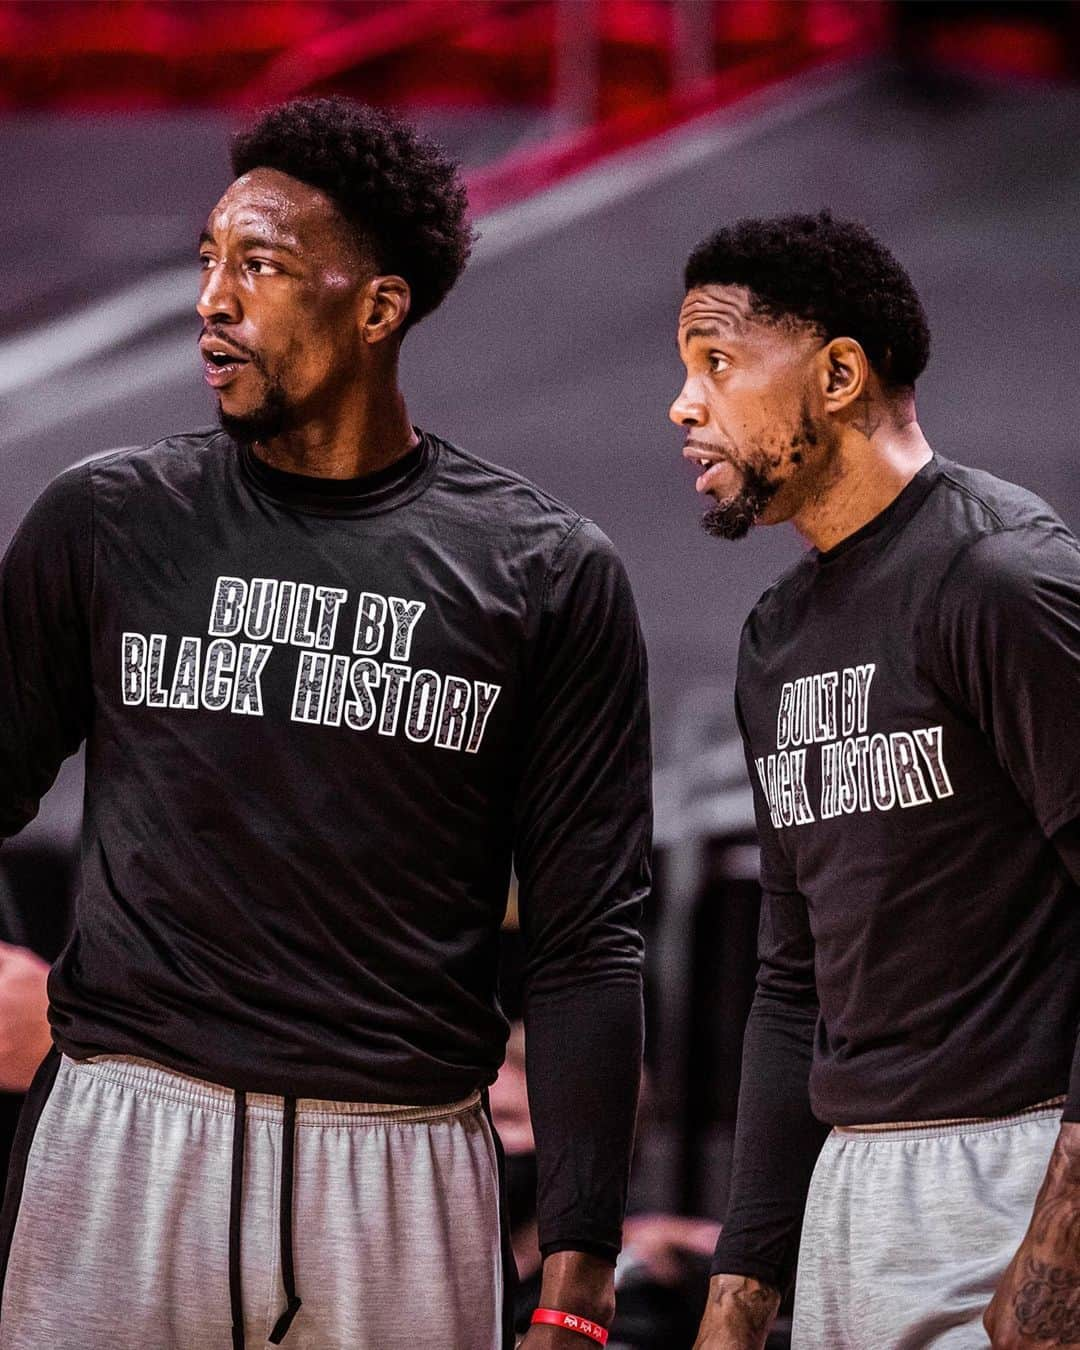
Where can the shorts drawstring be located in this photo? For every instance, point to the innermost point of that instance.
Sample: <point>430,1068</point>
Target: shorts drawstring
<point>285,1207</point>
<point>285,1203</point>
<point>236,1196</point>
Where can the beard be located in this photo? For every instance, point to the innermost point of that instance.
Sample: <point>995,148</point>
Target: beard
<point>269,418</point>
<point>733,517</point>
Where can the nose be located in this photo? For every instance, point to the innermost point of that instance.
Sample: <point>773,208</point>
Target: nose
<point>218,300</point>
<point>688,411</point>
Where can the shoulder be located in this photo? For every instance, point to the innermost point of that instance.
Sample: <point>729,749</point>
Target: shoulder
<point>561,552</point>
<point>1002,540</point>
<point>773,608</point>
<point>164,463</point>
<point>978,503</point>
<point>502,497</point>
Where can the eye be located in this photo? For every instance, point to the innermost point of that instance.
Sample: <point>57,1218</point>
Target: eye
<point>261,267</point>
<point>205,261</point>
<point>718,362</point>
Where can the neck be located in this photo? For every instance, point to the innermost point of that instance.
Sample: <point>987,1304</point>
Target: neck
<point>868,474</point>
<point>358,433</point>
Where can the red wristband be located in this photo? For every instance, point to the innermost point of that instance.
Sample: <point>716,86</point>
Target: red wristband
<point>548,1317</point>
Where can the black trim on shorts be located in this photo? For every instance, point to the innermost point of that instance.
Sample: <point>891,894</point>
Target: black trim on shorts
<point>39,1093</point>
<point>509,1265</point>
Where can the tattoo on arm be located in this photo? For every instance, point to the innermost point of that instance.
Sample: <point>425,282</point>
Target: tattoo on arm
<point>758,1305</point>
<point>1056,1224</point>
<point>755,1303</point>
<point>1047,1305</point>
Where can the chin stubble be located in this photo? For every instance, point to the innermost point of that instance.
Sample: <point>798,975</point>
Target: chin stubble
<point>270,418</point>
<point>733,517</point>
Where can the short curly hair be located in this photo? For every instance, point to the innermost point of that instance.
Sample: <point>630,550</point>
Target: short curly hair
<point>401,194</point>
<point>831,274</point>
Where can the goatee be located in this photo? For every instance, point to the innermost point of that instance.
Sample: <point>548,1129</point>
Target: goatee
<point>734,517</point>
<point>269,419</point>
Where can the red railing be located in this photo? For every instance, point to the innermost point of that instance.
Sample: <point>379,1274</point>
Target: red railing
<point>600,74</point>
<point>162,53</point>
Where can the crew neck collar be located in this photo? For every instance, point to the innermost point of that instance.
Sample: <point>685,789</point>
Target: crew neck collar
<point>888,521</point>
<point>368,494</point>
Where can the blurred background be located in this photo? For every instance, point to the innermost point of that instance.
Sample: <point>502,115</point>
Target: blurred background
<point>601,140</point>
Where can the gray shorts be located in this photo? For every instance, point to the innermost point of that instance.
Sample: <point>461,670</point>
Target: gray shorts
<point>907,1231</point>
<point>125,1229</point>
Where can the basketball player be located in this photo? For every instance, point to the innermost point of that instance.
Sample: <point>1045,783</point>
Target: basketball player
<point>332,673</point>
<point>907,695</point>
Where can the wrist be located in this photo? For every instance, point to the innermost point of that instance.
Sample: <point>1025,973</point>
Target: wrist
<point>581,1284</point>
<point>741,1307</point>
<point>1068,1140</point>
<point>570,1323</point>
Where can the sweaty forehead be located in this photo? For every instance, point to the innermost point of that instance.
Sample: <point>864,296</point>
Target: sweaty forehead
<point>270,203</point>
<point>720,309</point>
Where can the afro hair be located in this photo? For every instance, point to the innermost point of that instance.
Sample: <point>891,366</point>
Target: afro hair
<point>831,274</point>
<point>398,191</point>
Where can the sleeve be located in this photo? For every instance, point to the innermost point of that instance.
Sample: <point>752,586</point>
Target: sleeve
<point>777,1137</point>
<point>1008,616</point>
<point>583,824</point>
<point>45,691</point>
<point>1067,843</point>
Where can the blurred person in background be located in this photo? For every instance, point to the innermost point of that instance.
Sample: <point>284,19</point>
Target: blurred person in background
<point>25,1038</point>
<point>331,672</point>
<point>662,1271</point>
<point>907,696</point>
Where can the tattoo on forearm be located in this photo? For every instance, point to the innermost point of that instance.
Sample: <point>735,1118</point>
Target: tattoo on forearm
<point>1056,1224</point>
<point>1047,1305</point>
<point>757,1305</point>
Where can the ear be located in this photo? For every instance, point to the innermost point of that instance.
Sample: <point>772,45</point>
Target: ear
<point>384,307</point>
<point>844,373</point>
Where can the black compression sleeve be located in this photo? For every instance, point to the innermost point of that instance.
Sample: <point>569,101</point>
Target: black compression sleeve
<point>45,583</point>
<point>777,1138</point>
<point>1067,843</point>
<point>583,1060</point>
<point>582,856</point>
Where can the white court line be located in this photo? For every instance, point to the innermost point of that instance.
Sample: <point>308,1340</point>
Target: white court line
<point>109,324</point>
<point>95,328</point>
<point>74,394</point>
<point>644,166</point>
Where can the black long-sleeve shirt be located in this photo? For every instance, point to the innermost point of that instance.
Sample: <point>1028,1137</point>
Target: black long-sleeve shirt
<point>320,719</point>
<point>909,705</point>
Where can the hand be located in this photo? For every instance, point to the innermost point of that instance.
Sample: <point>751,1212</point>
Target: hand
<point>1037,1302</point>
<point>24,1027</point>
<point>738,1314</point>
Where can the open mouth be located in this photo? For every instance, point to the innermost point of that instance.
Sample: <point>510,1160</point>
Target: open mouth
<point>220,366</point>
<point>717,471</point>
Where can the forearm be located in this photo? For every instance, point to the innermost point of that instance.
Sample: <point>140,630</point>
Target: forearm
<point>1055,1221</point>
<point>1067,843</point>
<point>583,1046</point>
<point>1040,1291</point>
<point>777,1141</point>
<point>738,1314</point>
<point>579,1283</point>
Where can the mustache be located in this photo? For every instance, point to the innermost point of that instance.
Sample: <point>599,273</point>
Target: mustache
<point>691,444</point>
<point>238,347</point>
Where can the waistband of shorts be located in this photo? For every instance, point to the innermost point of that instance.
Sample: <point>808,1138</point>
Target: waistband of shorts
<point>148,1079</point>
<point>935,1129</point>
